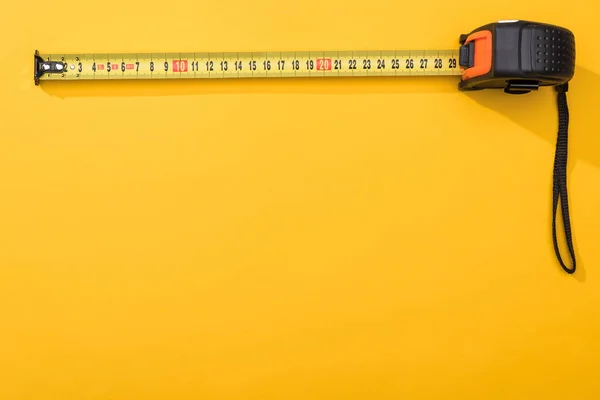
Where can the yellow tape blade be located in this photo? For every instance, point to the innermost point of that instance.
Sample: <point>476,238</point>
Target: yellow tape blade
<point>254,65</point>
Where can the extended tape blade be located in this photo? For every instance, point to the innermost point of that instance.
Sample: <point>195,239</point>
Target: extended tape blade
<point>219,65</point>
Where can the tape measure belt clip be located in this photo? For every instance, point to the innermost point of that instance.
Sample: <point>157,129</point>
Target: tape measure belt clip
<point>518,56</point>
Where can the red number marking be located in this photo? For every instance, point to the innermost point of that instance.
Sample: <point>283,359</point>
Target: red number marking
<point>180,65</point>
<point>114,67</point>
<point>323,64</point>
<point>101,67</point>
<point>129,66</point>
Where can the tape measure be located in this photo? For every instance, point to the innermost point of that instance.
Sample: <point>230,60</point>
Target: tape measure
<point>516,56</point>
<point>519,56</point>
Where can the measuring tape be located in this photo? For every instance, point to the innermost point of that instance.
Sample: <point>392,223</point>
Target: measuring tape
<point>519,56</point>
<point>287,64</point>
<point>516,56</point>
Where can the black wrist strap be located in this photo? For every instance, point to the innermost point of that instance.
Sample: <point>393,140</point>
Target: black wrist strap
<point>559,187</point>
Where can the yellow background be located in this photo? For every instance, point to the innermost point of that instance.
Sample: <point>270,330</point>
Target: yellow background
<point>342,239</point>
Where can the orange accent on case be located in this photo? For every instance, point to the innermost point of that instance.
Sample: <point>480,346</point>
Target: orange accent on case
<point>483,55</point>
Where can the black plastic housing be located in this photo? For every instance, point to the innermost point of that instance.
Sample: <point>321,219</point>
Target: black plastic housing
<point>525,56</point>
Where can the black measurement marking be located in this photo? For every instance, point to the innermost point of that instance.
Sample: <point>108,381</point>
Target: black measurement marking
<point>210,66</point>
<point>337,64</point>
<point>410,64</point>
<point>380,64</point>
<point>452,63</point>
<point>395,63</point>
<point>437,63</point>
<point>351,64</point>
<point>310,64</point>
<point>423,63</point>
<point>366,64</point>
